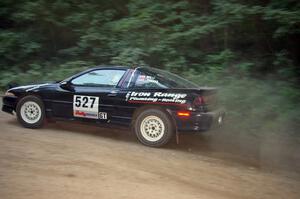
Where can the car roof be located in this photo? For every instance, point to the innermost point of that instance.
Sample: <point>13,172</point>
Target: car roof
<point>110,67</point>
<point>119,67</point>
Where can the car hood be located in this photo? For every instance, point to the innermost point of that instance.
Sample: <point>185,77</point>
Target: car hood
<point>30,87</point>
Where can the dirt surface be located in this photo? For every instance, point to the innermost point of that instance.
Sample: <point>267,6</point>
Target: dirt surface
<point>67,160</point>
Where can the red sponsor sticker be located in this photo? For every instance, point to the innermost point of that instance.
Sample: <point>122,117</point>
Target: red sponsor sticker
<point>80,113</point>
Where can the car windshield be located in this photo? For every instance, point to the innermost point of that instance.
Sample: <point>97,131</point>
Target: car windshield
<point>156,78</point>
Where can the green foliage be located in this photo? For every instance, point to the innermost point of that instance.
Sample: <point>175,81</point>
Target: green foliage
<point>42,73</point>
<point>15,46</point>
<point>218,62</point>
<point>129,57</point>
<point>177,35</point>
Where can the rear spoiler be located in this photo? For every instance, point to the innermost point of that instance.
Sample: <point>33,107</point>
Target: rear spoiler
<point>208,91</point>
<point>200,90</point>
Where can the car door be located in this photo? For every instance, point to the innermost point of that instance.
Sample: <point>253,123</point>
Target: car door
<point>124,110</point>
<point>90,96</point>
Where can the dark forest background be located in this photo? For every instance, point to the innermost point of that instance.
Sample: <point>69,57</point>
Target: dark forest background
<point>248,48</point>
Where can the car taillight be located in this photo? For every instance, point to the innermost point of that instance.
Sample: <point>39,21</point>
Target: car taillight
<point>183,113</point>
<point>199,101</point>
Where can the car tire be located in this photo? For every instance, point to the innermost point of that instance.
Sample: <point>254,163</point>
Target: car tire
<point>153,127</point>
<point>31,112</point>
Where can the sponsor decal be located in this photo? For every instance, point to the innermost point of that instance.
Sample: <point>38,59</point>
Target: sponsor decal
<point>79,113</point>
<point>156,97</point>
<point>85,114</point>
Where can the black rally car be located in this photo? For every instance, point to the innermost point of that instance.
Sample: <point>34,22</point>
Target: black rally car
<point>156,103</point>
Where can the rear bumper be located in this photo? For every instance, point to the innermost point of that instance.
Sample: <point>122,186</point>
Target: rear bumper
<point>199,121</point>
<point>9,104</point>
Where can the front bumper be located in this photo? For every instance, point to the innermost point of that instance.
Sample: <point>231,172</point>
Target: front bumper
<point>200,121</point>
<point>9,104</point>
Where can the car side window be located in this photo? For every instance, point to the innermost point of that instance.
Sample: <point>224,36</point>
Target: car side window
<point>146,80</point>
<point>99,78</point>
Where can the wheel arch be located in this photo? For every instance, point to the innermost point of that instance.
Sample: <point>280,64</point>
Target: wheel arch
<point>21,96</point>
<point>25,94</point>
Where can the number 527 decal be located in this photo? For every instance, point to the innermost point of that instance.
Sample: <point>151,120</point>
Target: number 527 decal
<point>86,106</point>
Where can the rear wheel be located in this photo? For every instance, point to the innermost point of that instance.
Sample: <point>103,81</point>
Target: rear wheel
<point>153,127</point>
<point>31,112</point>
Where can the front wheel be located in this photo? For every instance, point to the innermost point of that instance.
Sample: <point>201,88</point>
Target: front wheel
<point>31,112</point>
<point>153,127</point>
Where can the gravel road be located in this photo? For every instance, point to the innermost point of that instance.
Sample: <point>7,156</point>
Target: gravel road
<point>68,160</point>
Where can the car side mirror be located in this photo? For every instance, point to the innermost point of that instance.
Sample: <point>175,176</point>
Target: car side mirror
<point>66,85</point>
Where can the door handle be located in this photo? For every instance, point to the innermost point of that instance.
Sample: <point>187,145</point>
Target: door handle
<point>112,94</point>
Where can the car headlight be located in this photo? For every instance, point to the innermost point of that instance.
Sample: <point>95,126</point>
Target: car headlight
<point>7,93</point>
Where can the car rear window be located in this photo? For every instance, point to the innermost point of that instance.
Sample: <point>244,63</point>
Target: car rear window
<point>155,78</point>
